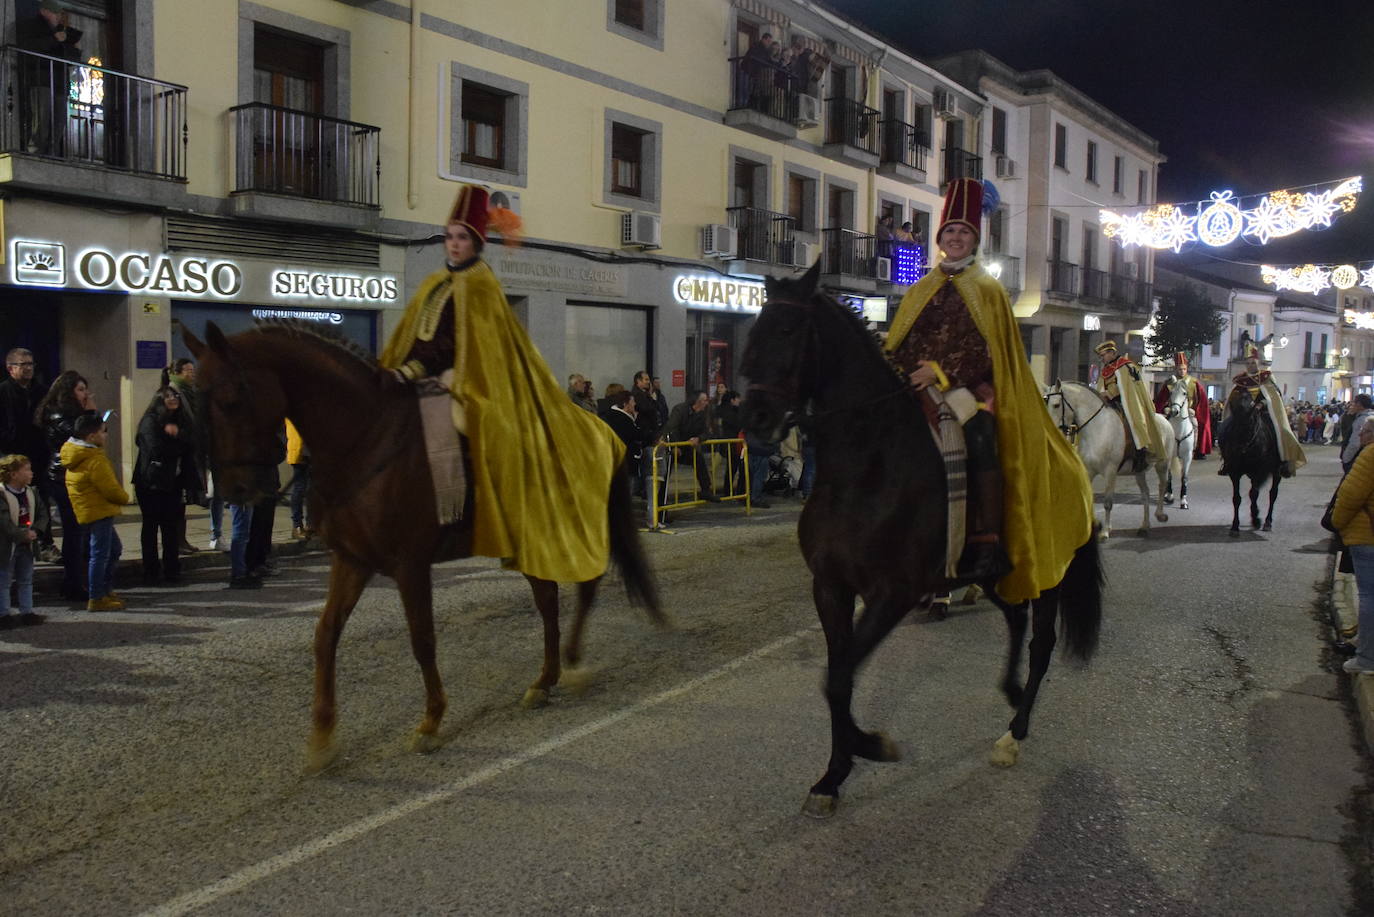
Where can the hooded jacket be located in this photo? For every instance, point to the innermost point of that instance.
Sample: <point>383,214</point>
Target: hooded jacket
<point>91,484</point>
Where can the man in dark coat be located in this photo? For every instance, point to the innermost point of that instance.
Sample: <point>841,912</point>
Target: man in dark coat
<point>20,433</point>
<point>688,423</point>
<point>647,419</point>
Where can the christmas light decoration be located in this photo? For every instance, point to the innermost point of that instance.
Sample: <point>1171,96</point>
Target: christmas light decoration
<point>1219,221</point>
<point>1362,320</point>
<point>1313,278</point>
<point>1345,277</point>
<point>908,264</point>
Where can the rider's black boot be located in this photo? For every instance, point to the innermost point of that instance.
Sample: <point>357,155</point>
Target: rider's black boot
<point>984,559</point>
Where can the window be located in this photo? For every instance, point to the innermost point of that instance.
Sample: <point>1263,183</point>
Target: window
<point>999,131</point>
<point>1090,171</point>
<point>638,20</point>
<point>1061,146</point>
<point>1118,174</point>
<point>627,156</point>
<point>1059,233</point>
<point>1090,238</point>
<point>632,165</point>
<point>997,231</point>
<point>746,184</point>
<point>1142,188</point>
<point>489,129</point>
<point>484,126</point>
<point>630,13</point>
<point>803,198</point>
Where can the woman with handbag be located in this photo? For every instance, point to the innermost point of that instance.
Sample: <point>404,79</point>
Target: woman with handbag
<point>1352,514</point>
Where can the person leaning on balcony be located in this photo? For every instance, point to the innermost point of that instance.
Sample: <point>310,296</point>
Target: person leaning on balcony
<point>46,33</point>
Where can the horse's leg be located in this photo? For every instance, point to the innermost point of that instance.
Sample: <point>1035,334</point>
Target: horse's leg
<point>346,582</point>
<point>546,600</point>
<point>1235,505</point>
<point>1185,466</point>
<point>1162,474</point>
<point>575,677</point>
<point>417,595</point>
<point>1254,504</point>
<point>1016,619</point>
<point>1108,489</point>
<point>1144,487</point>
<point>1273,495</point>
<point>1046,609</point>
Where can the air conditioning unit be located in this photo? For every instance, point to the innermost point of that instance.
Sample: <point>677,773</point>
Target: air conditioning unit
<point>946,104</point>
<point>808,111</point>
<point>1251,318</point>
<point>1132,270</point>
<point>718,241</point>
<point>804,254</point>
<point>1006,167</point>
<point>641,230</point>
<point>510,200</point>
<point>884,269</point>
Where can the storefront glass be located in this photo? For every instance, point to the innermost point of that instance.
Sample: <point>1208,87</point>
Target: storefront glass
<point>607,343</point>
<point>356,325</point>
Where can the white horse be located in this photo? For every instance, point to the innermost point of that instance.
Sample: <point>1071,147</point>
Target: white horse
<point>1183,421</point>
<point>1099,433</point>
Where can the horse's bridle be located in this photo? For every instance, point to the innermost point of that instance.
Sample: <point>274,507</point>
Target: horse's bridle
<point>1067,411</point>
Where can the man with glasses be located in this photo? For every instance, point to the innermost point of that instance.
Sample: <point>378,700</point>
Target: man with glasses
<point>21,435</point>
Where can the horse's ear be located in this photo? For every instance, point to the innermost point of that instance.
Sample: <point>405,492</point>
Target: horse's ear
<point>193,343</point>
<point>216,339</point>
<point>811,279</point>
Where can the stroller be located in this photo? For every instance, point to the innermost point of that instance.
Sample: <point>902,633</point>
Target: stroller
<point>784,473</point>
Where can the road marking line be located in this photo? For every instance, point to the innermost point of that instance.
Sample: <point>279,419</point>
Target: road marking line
<point>204,897</point>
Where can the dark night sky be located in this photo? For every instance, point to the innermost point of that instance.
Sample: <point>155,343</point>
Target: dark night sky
<point>1251,96</point>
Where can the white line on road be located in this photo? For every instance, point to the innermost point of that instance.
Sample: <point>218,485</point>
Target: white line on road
<point>206,896</point>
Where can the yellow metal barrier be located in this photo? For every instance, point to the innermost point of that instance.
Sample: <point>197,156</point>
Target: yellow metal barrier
<point>672,473</point>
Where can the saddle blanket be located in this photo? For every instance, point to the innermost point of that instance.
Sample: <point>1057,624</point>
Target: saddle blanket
<point>443,448</point>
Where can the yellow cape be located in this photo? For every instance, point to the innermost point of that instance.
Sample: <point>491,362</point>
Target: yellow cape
<point>1048,503</point>
<point>541,465</point>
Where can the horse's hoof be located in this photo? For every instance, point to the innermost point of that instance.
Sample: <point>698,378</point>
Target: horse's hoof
<point>819,806</point>
<point>1005,751</point>
<point>1103,534</point>
<point>971,595</point>
<point>1234,533</point>
<point>1168,500</point>
<point>318,758</point>
<point>534,698</point>
<point>577,680</point>
<point>422,743</point>
<point>939,610</point>
<point>1162,517</point>
<point>1183,504</point>
<point>879,748</point>
<point>1268,527</point>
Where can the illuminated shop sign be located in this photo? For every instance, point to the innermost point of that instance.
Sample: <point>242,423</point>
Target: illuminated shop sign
<point>43,263</point>
<point>727,294</point>
<point>304,315</point>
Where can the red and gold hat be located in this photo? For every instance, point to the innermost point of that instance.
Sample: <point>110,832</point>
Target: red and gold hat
<point>963,204</point>
<point>1106,346</point>
<point>1252,352</point>
<point>1181,360</point>
<point>470,209</point>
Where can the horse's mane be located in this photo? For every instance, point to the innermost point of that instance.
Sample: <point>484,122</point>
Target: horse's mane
<point>346,352</point>
<point>795,291</point>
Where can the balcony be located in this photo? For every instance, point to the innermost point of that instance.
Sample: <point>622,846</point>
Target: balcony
<point>1096,284</point>
<point>1007,270</point>
<point>80,129</point>
<point>851,132</point>
<point>1125,291</point>
<point>960,164</point>
<point>764,235</point>
<point>902,151</point>
<point>1062,279</point>
<point>302,167</point>
<point>763,99</point>
<point>849,258</point>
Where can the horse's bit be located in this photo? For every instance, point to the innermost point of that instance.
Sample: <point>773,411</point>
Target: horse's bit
<point>1071,430</point>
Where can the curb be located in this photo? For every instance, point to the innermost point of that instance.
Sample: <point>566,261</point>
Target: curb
<point>48,577</point>
<point>1345,605</point>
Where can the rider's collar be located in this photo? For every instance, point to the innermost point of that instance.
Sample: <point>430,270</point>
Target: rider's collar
<point>461,267</point>
<point>954,267</point>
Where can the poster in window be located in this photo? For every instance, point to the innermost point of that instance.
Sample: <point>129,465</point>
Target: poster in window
<point>717,364</point>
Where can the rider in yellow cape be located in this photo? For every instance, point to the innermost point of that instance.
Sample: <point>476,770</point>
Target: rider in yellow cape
<point>1047,501</point>
<point>541,466</point>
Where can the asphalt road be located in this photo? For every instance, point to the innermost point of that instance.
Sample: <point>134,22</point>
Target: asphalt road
<point>1204,763</point>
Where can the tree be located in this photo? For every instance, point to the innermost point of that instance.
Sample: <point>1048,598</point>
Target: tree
<point>1187,321</point>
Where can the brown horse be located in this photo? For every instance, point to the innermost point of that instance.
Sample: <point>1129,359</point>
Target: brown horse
<point>374,497</point>
<point>874,523</point>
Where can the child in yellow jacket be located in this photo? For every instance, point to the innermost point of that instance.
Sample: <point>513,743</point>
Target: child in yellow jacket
<point>96,500</point>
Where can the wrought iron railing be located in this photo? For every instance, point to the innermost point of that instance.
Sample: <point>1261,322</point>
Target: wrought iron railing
<point>283,151</point>
<point>902,143</point>
<point>764,235</point>
<point>1096,284</point>
<point>844,251</point>
<point>763,87</point>
<point>91,114</point>
<point>1062,277</point>
<point>961,163</point>
<point>1007,270</point>
<point>851,123</point>
<point>1129,292</point>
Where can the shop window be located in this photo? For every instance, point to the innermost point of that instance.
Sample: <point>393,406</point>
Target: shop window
<point>633,160</point>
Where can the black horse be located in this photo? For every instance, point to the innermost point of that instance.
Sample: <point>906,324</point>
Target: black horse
<point>874,526</point>
<point>1250,449</point>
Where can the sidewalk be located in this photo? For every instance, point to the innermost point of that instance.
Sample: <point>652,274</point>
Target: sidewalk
<point>1345,604</point>
<point>47,578</point>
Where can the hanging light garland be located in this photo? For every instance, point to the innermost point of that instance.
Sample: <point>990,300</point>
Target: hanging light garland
<point>1313,278</point>
<point>1221,220</point>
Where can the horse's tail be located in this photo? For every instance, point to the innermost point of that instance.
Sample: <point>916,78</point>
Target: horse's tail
<point>1080,596</point>
<point>626,551</point>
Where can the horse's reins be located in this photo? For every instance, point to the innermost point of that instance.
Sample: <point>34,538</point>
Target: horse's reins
<point>1073,430</point>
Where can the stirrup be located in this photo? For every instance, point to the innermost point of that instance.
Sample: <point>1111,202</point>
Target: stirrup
<point>983,561</point>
